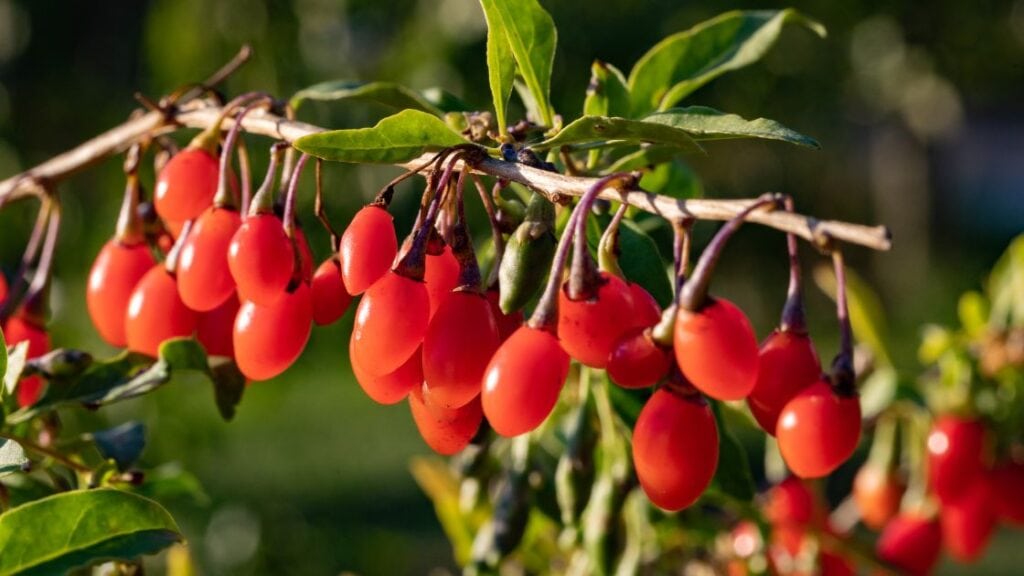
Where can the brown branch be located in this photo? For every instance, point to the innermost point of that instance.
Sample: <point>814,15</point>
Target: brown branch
<point>553,185</point>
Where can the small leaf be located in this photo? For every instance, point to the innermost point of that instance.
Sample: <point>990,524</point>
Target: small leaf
<point>607,94</point>
<point>386,93</point>
<point>394,139</point>
<point>17,357</point>
<point>123,444</point>
<point>866,314</point>
<point>703,123</point>
<point>641,262</point>
<point>228,387</point>
<point>12,457</point>
<point>604,129</point>
<point>675,179</point>
<point>685,61</point>
<point>82,528</point>
<point>878,391</point>
<point>733,474</point>
<point>973,309</point>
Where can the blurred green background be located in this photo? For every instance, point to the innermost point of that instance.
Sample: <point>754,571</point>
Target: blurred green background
<point>917,107</point>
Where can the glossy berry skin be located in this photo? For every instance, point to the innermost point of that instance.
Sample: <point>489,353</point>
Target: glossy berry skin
<point>877,493</point>
<point>394,387</point>
<point>261,259</point>
<point>787,364</point>
<point>818,430</point>
<point>646,311</point>
<point>390,323</point>
<point>1008,498</point>
<point>215,329</point>
<point>968,523</point>
<point>440,276</point>
<point>19,329</point>
<point>791,502</point>
<point>204,279</point>
<point>675,449</point>
<point>716,350</point>
<point>507,323</point>
<point>460,341</point>
<point>589,329</point>
<point>186,184</point>
<point>114,274</point>
<point>911,543</point>
<point>368,248</point>
<point>637,361</point>
<point>446,431</point>
<point>268,339</point>
<point>956,448</point>
<point>330,299</point>
<point>523,381</point>
<point>156,313</point>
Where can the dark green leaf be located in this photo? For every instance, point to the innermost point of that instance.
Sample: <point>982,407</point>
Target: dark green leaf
<point>603,129</point>
<point>172,482</point>
<point>228,386</point>
<point>82,528</point>
<point>703,123</point>
<point>444,100</point>
<point>607,94</point>
<point>675,179</point>
<point>733,475</point>
<point>628,402</point>
<point>501,65</point>
<point>647,156</point>
<point>641,262</point>
<point>123,444</point>
<point>386,93</point>
<point>12,457</point>
<point>685,61</point>
<point>397,138</point>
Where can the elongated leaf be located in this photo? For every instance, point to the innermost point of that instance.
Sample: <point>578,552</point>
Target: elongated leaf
<point>12,457</point>
<point>82,528</point>
<point>123,444</point>
<point>386,93</point>
<point>397,138</point>
<point>685,61</point>
<point>733,474</point>
<point>444,100</point>
<point>703,123</point>
<point>501,65</point>
<point>641,262</point>
<point>646,156</point>
<point>603,129</point>
<point>17,356</point>
<point>675,179</point>
<point>607,94</point>
<point>530,35</point>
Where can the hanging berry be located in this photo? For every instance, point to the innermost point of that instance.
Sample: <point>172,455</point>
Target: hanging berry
<point>446,431</point>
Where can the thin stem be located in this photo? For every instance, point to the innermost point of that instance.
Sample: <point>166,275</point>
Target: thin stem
<point>289,201</point>
<point>585,278</point>
<point>49,453</point>
<point>28,257</point>
<point>171,262</point>
<point>224,197</point>
<point>289,156</point>
<point>462,244</point>
<point>682,240</point>
<point>545,315</point>
<point>318,208</point>
<point>793,317</point>
<point>229,68</point>
<point>608,249</point>
<point>41,278</point>
<point>246,175</point>
<point>412,263</point>
<point>843,374</point>
<point>497,238</point>
<point>263,201</point>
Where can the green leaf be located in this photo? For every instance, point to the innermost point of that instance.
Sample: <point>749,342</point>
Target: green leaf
<point>685,61</point>
<point>82,528</point>
<point>172,482</point>
<point>386,93</point>
<point>394,139</point>
<point>444,100</point>
<point>866,314</point>
<point>878,391</point>
<point>3,358</point>
<point>228,387</point>
<point>603,129</point>
<point>12,457</point>
<point>607,94</point>
<point>501,65</point>
<point>646,157</point>
<point>733,474</point>
<point>675,179</point>
<point>530,36</point>
<point>641,262</point>
<point>123,444</point>
<point>17,357</point>
<point>704,123</point>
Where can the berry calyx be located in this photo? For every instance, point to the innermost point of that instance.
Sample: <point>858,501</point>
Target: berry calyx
<point>787,364</point>
<point>446,431</point>
<point>330,298</point>
<point>204,278</point>
<point>458,346</point>
<point>113,276</point>
<point>390,323</point>
<point>268,339</point>
<point>393,387</point>
<point>818,430</point>
<point>716,350</point>
<point>261,258</point>
<point>368,248</point>
<point>156,313</point>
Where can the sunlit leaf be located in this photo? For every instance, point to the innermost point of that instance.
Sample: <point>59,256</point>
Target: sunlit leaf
<point>607,93</point>
<point>878,391</point>
<point>16,357</point>
<point>604,129</point>
<point>397,138</point>
<point>12,457</point>
<point>386,93</point>
<point>675,179</point>
<point>501,65</point>
<point>703,123</point>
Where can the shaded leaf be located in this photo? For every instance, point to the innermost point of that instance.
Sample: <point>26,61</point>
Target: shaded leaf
<point>12,457</point>
<point>878,391</point>
<point>641,262</point>
<point>228,387</point>
<point>647,156</point>
<point>733,475</point>
<point>172,482</point>
<point>444,100</point>
<point>123,444</point>
<point>703,123</point>
<point>440,485</point>
<point>685,61</point>
<point>394,139</point>
<point>604,129</point>
<point>386,93</point>
<point>675,179</point>
<point>82,528</point>
<point>607,93</point>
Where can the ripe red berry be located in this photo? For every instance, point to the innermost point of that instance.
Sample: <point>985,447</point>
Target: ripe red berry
<point>441,276</point>
<point>834,565</point>
<point>791,502</point>
<point>911,543</point>
<point>3,288</point>
<point>968,523</point>
<point>646,311</point>
<point>446,431</point>
<point>17,329</point>
<point>186,184</point>
<point>268,339</point>
<point>1008,498</point>
<point>156,313</point>
<point>261,259</point>
<point>394,387</point>
<point>716,350</point>
<point>523,381</point>
<point>330,299</point>
<point>215,329</point>
<point>787,364</point>
<point>637,361</point>
<point>390,323</point>
<point>877,493</point>
<point>507,323</point>
<point>589,329</point>
<point>460,341</point>
<point>956,448</point>
<point>204,279</point>
<point>368,248</point>
<point>818,430</point>
<point>114,274</point>
<point>675,448</point>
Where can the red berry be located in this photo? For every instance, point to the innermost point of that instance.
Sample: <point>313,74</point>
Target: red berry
<point>268,339</point>
<point>716,350</point>
<point>441,276</point>
<point>204,279</point>
<point>675,448</point>
<point>646,311</point>
<point>968,523</point>
<point>215,329</point>
<point>116,271</point>
<point>21,329</point>
<point>3,288</point>
<point>330,299</point>
<point>261,259</point>
<point>911,543</point>
<point>156,313</point>
<point>460,341</point>
<point>186,184</point>
<point>877,493</point>
<point>818,430</point>
<point>390,323</point>
<point>390,388</point>
<point>1008,498</point>
<point>637,361</point>
<point>507,323</point>
<point>956,448</point>
<point>787,364</point>
<point>589,329</point>
<point>446,431</point>
<point>523,380</point>
<point>791,502</point>
<point>368,248</point>
<point>834,565</point>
